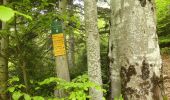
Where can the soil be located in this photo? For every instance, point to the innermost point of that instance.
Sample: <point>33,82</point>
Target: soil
<point>166,74</point>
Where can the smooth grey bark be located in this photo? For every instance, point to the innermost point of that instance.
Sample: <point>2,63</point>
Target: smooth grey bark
<point>3,62</point>
<point>93,47</point>
<point>113,53</point>
<point>134,50</point>
<point>61,69</point>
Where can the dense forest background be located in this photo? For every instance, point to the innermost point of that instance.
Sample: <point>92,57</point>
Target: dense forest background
<point>31,62</point>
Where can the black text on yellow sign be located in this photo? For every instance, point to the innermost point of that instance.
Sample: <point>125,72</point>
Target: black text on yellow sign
<point>58,44</point>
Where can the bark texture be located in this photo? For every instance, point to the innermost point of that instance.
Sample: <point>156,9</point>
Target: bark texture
<point>25,75</point>
<point>3,62</point>
<point>62,70</point>
<point>113,52</point>
<point>134,51</point>
<point>93,47</point>
<point>166,74</point>
<point>3,67</point>
<point>71,50</point>
<point>71,37</point>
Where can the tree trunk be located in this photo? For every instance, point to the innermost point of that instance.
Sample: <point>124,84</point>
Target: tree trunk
<point>22,61</point>
<point>25,75</point>
<point>71,50</point>
<point>134,50</point>
<point>71,38</point>
<point>3,62</point>
<point>113,53</point>
<point>93,47</point>
<point>3,67</point>
<point>62,70</point>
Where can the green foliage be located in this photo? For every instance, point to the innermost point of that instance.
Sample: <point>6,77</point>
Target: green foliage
<point>165,50</point>
<point>119,98</point>
<point>164,42</point>
<point>24,15</point>
<point>163,9</point>
<point>164,39</point>
<point>163,24</point>
<point>27,97</point>
<point>163,17</point>
<point>32,36</point>
<point>38,98</point>
<point>77,89</point>
<point>165,97</point>
<point>7,13</point>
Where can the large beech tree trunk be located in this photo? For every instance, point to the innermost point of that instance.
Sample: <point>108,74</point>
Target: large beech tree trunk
<point>93,47</point>
<point>3,61</point>
<point>134,53</point>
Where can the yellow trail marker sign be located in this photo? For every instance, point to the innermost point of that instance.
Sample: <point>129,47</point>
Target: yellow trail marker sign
<point>58,44</point>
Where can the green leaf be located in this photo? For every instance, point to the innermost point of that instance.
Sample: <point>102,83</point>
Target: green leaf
<point>118,98</point>
<point>11,89</point>
<point>17,95</point>
<point>37,88</point>
<point>13,79</point>
<point>21,86</point>
<point>38,98</point>
<point>31,81</point>
<point>49,80</point>
<point>103,98</point>
<point>27,97</point>
<point>26,16</point>
<point>6,13</point>
<point>53,99</point>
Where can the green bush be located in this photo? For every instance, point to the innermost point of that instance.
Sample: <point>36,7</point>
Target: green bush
<point>77,89</point>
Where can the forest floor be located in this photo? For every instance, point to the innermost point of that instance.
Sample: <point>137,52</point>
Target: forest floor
<point>166,71</point>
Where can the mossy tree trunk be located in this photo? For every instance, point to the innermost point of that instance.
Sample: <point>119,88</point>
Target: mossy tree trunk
<point>3,61</point>
<point>134,52</point>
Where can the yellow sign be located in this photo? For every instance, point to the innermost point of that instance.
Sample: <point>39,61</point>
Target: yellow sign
<point>58,44</point>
